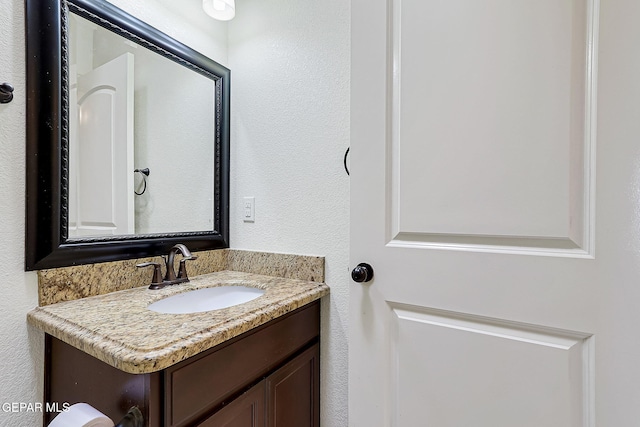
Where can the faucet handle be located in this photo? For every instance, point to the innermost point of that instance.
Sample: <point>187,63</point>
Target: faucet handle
<point>156,280</point>
<point>182,272</point>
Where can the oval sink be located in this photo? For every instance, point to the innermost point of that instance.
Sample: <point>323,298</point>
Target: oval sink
<point>205,299</point>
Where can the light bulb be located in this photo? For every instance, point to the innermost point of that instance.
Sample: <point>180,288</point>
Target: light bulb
<point>223,10</point>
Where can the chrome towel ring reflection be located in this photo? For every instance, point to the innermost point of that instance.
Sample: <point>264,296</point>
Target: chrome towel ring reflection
<point>145,173</point>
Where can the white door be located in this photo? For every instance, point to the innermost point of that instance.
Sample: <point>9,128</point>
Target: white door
<point>506,290</point>
<point>101,151</point>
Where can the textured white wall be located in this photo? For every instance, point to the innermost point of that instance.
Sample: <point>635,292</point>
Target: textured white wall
<point>21,349</point>
<point>289,61</point>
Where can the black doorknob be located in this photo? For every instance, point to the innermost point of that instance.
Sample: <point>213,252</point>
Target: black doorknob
<point>362,273</point>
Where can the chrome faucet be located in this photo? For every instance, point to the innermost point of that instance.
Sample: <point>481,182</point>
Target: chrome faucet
<point>170,277</point>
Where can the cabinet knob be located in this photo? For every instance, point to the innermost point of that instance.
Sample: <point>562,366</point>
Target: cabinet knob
<point>362,273</point>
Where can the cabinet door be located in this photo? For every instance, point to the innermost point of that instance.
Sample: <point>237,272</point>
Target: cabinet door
<point>293,392</point>
<point>245,411</point>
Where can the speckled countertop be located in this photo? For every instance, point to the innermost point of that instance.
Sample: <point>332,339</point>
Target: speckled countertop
<point>118,329</point>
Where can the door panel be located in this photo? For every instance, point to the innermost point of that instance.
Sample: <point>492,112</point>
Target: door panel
<point>494,97</point>
<point>101,152</point>
<point>497,300</point>
<point>484,369</point>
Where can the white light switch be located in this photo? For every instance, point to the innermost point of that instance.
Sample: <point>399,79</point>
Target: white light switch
<point>249,209</point>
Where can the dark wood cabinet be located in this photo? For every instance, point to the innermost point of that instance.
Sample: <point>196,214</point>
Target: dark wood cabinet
<point>268,376</point>
<point>286,398</point>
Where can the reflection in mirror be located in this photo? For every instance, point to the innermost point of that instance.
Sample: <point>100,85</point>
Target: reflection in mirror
<point>110,97</point>
<point>130,108</point>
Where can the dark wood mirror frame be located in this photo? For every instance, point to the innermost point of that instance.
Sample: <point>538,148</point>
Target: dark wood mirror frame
<point>47,244</point>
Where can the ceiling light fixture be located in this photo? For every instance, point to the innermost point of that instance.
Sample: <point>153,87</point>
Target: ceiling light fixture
<point>223,10</point>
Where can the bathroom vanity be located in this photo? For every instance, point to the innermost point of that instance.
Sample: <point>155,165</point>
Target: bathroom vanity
<point>271,371</point>
<point>253,364</point>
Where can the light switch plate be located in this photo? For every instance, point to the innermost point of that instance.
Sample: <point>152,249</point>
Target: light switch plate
<point>249,209</point>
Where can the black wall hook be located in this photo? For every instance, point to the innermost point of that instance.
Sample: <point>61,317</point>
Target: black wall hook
<point>346,154</point>
<point>6,93</point>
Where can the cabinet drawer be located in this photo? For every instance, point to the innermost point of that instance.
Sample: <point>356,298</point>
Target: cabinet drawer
<point>196,386</point>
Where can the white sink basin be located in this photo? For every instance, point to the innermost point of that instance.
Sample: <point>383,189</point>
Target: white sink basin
<point>205,299</point>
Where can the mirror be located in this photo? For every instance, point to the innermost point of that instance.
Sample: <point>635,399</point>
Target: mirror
<point>127,138</point>
<point>131,109</point>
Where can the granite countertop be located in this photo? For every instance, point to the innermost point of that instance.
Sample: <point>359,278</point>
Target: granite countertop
<point>118,329</point>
